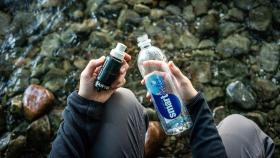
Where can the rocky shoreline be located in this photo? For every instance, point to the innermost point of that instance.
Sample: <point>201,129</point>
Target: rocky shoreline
<point>229,49</point>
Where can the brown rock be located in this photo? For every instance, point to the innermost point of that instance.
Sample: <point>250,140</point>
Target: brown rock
<point>36,100</point>
<point>154,137</point>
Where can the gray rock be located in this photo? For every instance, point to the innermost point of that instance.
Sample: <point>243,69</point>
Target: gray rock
<point>38,133</point>
<point>265,89</point>
<point>50,3</point>
<point>19,80</point>
<point>206,44</point>
<point>4,24</point>
<point>85,27</point>
<point>100,39</point>
<point>234,45</point>
<point>158,13</point>
<point>201,6</point>
<point>128,16</point>
<point>80,63</point>
<point>142,9</point>
<point>50,45</point>
<point>212,93</point>
<point>208,24</point>
<point>230,69</point>
<point>4,141</point>
<point>269,57</point>
<point>245,4</point>
<point>188,13</point>
<point>260,18</point>
<point>203,53</point>
<point>276,15</point>
<point>173,9</point>
<point>241,95</point>
<point>235,14</point>
<point>16,105</point>
<point>16,147</point>
<point>200,72</point>
<point>188,40</point>
<point>228,28</point>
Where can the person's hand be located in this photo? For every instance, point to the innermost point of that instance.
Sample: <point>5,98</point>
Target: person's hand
<point>182,83</point>
<point>89,74</point>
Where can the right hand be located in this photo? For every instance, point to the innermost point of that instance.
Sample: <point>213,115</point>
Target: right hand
<point>182,83</point>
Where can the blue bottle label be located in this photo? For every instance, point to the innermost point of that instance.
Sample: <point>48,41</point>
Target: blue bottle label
<point>169,105</point>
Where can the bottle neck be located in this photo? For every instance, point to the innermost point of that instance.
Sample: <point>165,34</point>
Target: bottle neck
<point>145,45</point>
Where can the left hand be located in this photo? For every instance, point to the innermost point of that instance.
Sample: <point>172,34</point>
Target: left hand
<point>89,74</point>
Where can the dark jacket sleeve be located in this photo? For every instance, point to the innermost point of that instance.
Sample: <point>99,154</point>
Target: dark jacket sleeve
<point>205,140</point>
<point>72,137</point>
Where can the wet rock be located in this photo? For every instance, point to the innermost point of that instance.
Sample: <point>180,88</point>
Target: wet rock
<point>100,39</point>
<point>187,40</point>
<point>219,113</point>
<point>265,89</point>
<point>36,101</point>
<point>208,24</point>
<point>51,3</point>
<point>39,133</point>
<point>241,95</point>
<point>142,9</point>
<point>5,21</point>
<point>269,57</point>
<point>2,119</point>
<point>206,44</point>
<point>154,138</point>
<point>173,9</point>
<point>16,147</point>
<point>212,93</point>
<point>85,27</point>
<point>188,13</point>
<point>258,118</point>
<point>231,69</point>
<point>128,17</point>
<point>227,28</point>
<point>55,118</point>
<point>24,23</point>
<point>276,15</point>
<point>158,13</point>
<point>245,4</point>
<point>55,84</point>
<point>234,45</point>
<point>50,45</point>
<point>4,141</point>
<point>80,63</point>
<point>201,6</point>
<point>16,105</point>
<point>19,80</point>
<point>203,53</point>
<point>260,18</point>
<point>200,72</point>
<point>235,14</point>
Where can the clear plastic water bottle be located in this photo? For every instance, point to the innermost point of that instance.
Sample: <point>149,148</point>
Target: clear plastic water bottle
<point>161,85</point>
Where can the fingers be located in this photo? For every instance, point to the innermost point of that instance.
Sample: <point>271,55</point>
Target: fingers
<point>127,57</point>
<point>120,81</point>
<point>175,70</point>
<point>148,96</point>
<point>92,65</point>
<point>154,63</point>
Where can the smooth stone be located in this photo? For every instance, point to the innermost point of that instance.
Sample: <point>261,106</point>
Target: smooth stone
<point>142,9</point>
<point>260,18</point>
<point>100,39</point>
<point>158,13</point>
<point>4,141</point>
<point>201,6</point>
<point>188,13</point>
<point>50,45</point>
<point>269,57</point>
<point>241,95</point>
<point>231,69</point>
<point>36,101</point>
<point>16,105</point>
<point>55,84</point>
<point>128,16</point>
<point>206,44</point>
<point>228,28</point>
<point>212,93</point>
<point>85,27</point>
<point>154,137</point>
<point>39,133</point>
<point>50,3</point>
<point>188,40</point>
<point>173,9</point>
<point>208,24</point>
<point>16,147</point>
<point>219,113</point>
<point>200,72</point>
<point>245,4</point>
<point>257,117</point>
<point>234,45</point>
<point>265,89</point>
<point>236,14</point>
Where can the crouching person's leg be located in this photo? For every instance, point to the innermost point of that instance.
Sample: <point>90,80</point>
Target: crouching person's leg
<point>243,138</point>
<point>123,129</point>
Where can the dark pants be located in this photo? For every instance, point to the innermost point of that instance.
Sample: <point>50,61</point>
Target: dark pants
<point>125,120</point>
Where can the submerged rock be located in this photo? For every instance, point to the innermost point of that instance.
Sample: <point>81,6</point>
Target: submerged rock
<point>236,14</point>
<point>201,6</point>
<point>269,57</point>
<point>36,101</point>
<point>260,18</point>
<point>208,24</point>
<point>16,105</point>
<point>231,69</point>
<point>200,72</point>
<point>234,45</point>
<point>4,141</point>
<point>188,40</point>
<point>245,4</point>
<point>4,24</point>
<point>128,17</point>
<point>265,89</point>
<point>188,13</point>
<point>39,133</point>
<point>212,93</point>
<point>154,137</point>
<point>241,95</point>
<point>19,80</point>
<point>16,147</point>
<point>85,27</point>
<point>142,9</point>
<point>258,118</point>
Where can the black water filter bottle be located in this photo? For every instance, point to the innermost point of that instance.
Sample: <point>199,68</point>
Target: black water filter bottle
<point>111,68</point>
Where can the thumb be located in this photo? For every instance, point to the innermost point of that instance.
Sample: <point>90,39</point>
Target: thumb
<point>176,72</point>
<point>93,64</point>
